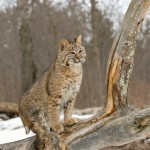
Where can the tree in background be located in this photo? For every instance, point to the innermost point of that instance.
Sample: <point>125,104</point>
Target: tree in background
<point>28,70</point>
<point>101,29</point>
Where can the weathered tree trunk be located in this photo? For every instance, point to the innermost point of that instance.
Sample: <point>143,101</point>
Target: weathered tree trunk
<point>100,132</point>
<point>121,59</point>
<point>27,65</point>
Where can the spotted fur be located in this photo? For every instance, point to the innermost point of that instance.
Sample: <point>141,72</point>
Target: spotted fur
<point>40,106</point>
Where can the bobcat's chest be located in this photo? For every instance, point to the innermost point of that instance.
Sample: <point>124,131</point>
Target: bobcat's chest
<point>70,90</point>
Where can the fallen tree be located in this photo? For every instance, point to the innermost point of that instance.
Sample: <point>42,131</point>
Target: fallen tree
<point>9,107</point>
<point>111,131</point>
<point>117,125</point>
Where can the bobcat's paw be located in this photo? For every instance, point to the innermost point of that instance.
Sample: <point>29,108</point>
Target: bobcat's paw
<point>58,128</point>
<point>71,121</point>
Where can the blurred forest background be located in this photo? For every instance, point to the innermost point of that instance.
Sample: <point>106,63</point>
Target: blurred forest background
<point>30,31</point>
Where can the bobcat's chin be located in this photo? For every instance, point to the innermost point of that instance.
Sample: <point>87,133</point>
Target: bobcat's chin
<point>78,61</point>
<point>72,62</point>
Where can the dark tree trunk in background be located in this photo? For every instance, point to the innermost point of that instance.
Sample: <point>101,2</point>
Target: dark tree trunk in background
<point>51,22</point>
<point>28,70</point>
<point>99,51</point>
<point>97,74</point>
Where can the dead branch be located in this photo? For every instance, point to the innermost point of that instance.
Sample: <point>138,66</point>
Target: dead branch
<point>9,107</point>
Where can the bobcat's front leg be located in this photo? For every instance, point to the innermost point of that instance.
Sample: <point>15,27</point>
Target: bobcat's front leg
<point>54,114</point>
<point>68,110</point>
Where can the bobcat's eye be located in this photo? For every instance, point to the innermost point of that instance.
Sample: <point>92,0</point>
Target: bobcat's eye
<point>72,52</point>
<point>80,51</point>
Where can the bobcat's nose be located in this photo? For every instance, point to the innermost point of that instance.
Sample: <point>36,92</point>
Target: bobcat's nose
<point>78,58</point>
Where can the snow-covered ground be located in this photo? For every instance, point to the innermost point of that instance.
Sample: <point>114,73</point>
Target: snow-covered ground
<point>12,130</point>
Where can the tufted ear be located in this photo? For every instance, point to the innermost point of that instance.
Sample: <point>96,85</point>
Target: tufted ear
<point>62,44</point>
<point>78,39</point>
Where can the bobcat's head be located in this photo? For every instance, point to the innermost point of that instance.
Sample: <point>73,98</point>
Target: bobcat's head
<point>71,53</point>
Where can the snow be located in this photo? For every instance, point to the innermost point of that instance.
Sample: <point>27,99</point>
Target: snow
<point>12,130</point>
<point>8,136</point>
<point>41,1</point>
<point>5,4</point>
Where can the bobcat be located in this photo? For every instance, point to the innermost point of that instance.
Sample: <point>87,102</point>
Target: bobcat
<point>40,106</point>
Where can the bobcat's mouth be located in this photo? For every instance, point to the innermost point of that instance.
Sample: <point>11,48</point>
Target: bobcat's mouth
<point>74,61</point>
<point>78,60</point>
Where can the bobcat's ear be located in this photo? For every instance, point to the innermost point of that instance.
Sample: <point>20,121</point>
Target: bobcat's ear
<point>78,39</point>
<point>62,44</point>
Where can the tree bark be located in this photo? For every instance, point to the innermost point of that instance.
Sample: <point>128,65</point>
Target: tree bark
<point>104,130</point>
